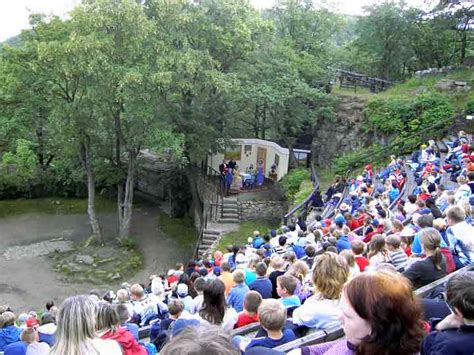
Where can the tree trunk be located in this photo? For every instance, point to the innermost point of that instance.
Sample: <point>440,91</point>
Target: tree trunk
<point>255,122</point>
<point>86,158</point>
<point>126,204</point>
<point>264,121</point>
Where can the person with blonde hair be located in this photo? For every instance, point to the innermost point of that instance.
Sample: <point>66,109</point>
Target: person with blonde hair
<point>322,309</point>
<point>433,266</point>
<point>76,334</point>
<point>9,332</point>
<point>30,336</point>
<point>459,233</point>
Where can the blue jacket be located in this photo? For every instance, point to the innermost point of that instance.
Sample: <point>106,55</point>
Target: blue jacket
<point>263,286</point>
<point>8,335</point>
<point>258,242</point>
<point>343,243</point>
<point>450,342</point>
<point>17,348</point>
<point>237,296</point>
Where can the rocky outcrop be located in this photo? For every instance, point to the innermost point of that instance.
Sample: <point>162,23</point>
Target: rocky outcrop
<point>344,134</point>
<point>447,85</point>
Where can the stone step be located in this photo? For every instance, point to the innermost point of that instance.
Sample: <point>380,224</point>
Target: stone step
<point>230,203</point>
<point>230,209</point>
<point>210,231</point>
<point>228,220</point>
<point>230,215</point>
<point>207,239</point>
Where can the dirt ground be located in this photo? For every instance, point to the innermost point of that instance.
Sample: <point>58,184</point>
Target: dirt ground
<point>27,282</point>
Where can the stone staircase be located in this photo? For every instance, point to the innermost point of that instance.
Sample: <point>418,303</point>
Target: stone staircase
<point>228,222</point>
<point>230,211</point>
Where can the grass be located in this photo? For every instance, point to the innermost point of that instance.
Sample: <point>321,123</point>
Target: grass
<point>408,87</point>
<point>246,229</point>
<point>326,177</point>
<point>53,206</point>
<point>181,229</point>
<point>306,187</point>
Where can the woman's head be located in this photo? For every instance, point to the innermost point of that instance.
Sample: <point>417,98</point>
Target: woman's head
<point>329,275</point>
<point>431,244</point>
<point>76,326</point>
<point>107,317</point>
<point>377,245</point>
<point>214,304</point>
<point>386,320</point>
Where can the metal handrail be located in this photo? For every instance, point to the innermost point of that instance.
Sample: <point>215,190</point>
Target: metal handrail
<point>304,204</point>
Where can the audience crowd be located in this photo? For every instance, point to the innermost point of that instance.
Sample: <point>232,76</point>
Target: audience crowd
<point>356,268</point>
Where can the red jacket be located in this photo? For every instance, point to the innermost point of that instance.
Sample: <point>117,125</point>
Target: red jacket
<point>126,341</point>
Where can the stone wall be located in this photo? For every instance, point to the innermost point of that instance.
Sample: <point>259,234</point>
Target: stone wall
<point>270,210</point>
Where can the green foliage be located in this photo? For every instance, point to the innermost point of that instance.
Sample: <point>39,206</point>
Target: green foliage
<point>410,120</point>
<point>291,182</point>
<point>181,229</point>
<point>469,108</point>
<point>408,115</point>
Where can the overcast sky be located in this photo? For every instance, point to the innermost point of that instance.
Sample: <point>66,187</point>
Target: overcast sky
<point>14,13</point>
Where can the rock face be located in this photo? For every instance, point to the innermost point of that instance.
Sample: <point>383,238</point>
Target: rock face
<point>344,134</point>
<point>452,86</point>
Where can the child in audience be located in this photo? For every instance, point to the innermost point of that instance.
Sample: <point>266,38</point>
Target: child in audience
<point>358,248</point>
<point>249,314</point>
<point>196,304</point>
<point>398,257</point>
<point>272,315</point>
<point>286,286</point>
<point>350,259</point>
<point>455,333</point>
<point>30,337</point>
<point>175,309</point>
<point>238,291</point>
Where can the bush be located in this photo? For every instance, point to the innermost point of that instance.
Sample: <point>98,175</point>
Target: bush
<point>469,108</point>
<point>291,182</point>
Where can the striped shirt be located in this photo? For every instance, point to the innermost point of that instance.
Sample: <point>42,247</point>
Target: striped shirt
<point>399,258</point>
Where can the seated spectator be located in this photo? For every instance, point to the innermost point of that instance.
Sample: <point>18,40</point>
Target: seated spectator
<point>175,308</point>
<point>396,254</point>
<point>250,273</point>
<point>215,310</point>
<point>280,248</point>
<point>407,235</point>
<point>145,307</point>
<point>460,235</point>
<point>358,248</point>
<point>322,309</point>
<point>123,297</point>
<point>454,334</point>
<point>16,348</point>
<point>182,293</point>
<point>9,333</point>
<point>196,304</point>
<point>310,251</point>
<point>125,318</point>
<point>279,269</point>
<point>343,242</point>
<point>238,292</point>
<point>47,330</point>
<point>108,327</point>
<point>226,277</point>
<point>410,205</point>
<point>200,340</point>
<point>286,286</point>
<point>262,284</point>
<point>257,240</point>
<point>386,320</point>
<point>249,314</point>
<point>378,253</point>
<point>272,315</point>
<point>433,266</point>
<point>76,332</point>
<point>30,337</point>
<point>350,260</point>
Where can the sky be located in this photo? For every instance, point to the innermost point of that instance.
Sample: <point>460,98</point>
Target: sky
<point>14,13</point>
